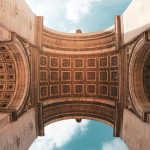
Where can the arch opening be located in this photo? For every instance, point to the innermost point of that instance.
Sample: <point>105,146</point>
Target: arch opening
<point>68,134</point>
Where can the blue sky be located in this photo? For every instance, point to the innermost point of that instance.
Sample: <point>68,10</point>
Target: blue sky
<point>89,16</point>
<point>69,135</point>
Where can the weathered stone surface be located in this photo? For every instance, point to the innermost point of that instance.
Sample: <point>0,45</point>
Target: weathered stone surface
<point>136,19</point>
<point>46,76</point>
<point>18,17</point>
<point>19,135</point>
<point>135,133</point>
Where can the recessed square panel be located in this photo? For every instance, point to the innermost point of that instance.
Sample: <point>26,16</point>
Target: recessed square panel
<point>114,91</point>
<point>114,76</point>
<point>103,62</point>
<point>11,77</point>
<point>91,63</point>
<point>54,62</point>
<point>91,89</point>
<point>54,90</point>
<point>4,48</point>
<point>2,67</point>
<point>66,89</point>
<point>10,66</point>
<point>103,76</point>
<point>65,76</point>
<point>114,61</point>
<point>66,62</point>
<point>79,62</point>
<point>10,86</point>
<point>79,89</point>
<point>43,61</point>
<point>1,57</point>
<point>2,86</point>
<point>43,76</point>
<point>43,91</point>
<point>8,96</point>
<point>103,90</point>
<point>4,104</point>
<point>78,76</point>
<point>7,57</point>
<point>91,76</point>
<point>2,76</point>
<point>1,96</point>
<point>54,76</point>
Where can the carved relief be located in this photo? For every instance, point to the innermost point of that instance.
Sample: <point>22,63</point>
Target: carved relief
<point>66,89</point>
<point>43,61</point>
<point>54,62</point>
<point>84,77</point>
<point>54,76</point>
<point>78,75</point>
<point>66,63</point>
<point>91,89</point>
<point>54,90</point>
<point>114,76</point>
<point>65,75</point>
<point>103,76</point>
<point>43,91</point>
<point>7,76</point>
<point>43,76</point>
<point>103,90</point>
<point>78,62</point>
<point>79,89</point>
<point>114,61</point>
<point>91,76</point>
<point>146,77</point>
<point>103,62</point>
<point>114,91</point>
<point>91,62</point>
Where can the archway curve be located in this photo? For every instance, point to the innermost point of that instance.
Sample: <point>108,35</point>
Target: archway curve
<point>136,88</point>
<point>21,77</point>
<point>79,117</point>
<point>73,109</point>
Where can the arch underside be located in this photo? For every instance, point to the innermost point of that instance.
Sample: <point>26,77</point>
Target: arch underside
<point>138,57</point>
<point>16,82</point>
<point>73,109</point>
<point>79,76</point>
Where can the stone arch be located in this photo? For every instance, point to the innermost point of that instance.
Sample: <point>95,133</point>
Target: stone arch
<point>20,74</point>
<point>136,88</point>
<point>97,109</point>
<point>146,76</point>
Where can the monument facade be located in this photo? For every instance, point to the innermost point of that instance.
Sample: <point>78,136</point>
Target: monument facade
<point>47,76</point>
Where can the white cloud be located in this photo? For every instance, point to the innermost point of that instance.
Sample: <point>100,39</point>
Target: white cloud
<point>59,134</point>
<point>116,144</point>
<point>77,9</point>
<point>52,10</point>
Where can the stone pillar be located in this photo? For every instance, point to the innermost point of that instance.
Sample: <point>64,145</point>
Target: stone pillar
<point>17,135</point>
<point>135,133</point>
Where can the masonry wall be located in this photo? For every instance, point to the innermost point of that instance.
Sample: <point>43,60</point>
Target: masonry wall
<point>17,135</point>
<point>136,18</point>
<point>16,16</point>
<point>135,133</point>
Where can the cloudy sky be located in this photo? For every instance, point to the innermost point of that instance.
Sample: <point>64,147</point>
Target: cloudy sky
<point>69,135</point>
<point>89,16</point>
